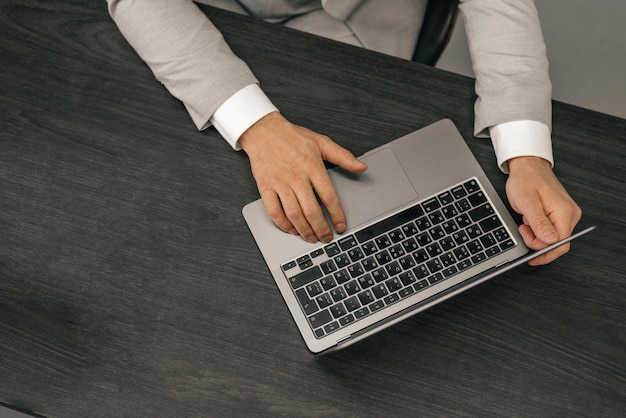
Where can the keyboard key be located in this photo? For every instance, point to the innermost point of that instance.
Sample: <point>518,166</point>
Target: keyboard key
<point>422,284</point>
<point>382,241</point>
<point>328,266</point>
<point>463,205</point>
<point>318,319</point>
<point>481,212</point>
<point>464,265</point>
<point>348,242</point>
<point>477,198</point>
<point>488,240</point>
<point>328,282</point>
<point>458,192</point>
<point>409,229</point>
<point>332,249</point>
<point>355,270</point>
<point>396,251</point>
<point>407,278</point>
<point>289,265</point>
<point>435,278</point>
<point>431,204</point>
<point>449,211</point>
<point>305,277</point>
<point>433,250</point>
<point>507,244</point>
<point>478,258</point>
<point>304,262</point>
<point>423,223</point>
<point>366,281</point>
<point>369,263</point>
<point>446,198</point>
<point>317,253</point>
<point>369,247</point>
<point>352,303</point>
<point>436,217</point>
<point>490,223</point>
<point>423,239</point>
<point>393,268</point>
<point>473,231</point>
<point>380,291</point>
<point>380,274</point>
<point>308,305</point>
<point>352,287</point>
<point>338,310</point>
<point>319,333</point>
<point>471,186</point>
<point>447,243</point>
<point>396,235</point>
<point>420,256</point>
<point>360,313</point>
<point>463,220</point>
<point>324,301</point>
<point>341,276</point>
<point>313,289</point>
<point>407,291</point>
<point>461,253</point>
<point>348,319</point>
<point>341,260</point>
<point>500,234</point>
<point>493,251</point>
<point>355,254</point>
<point>391,299</point>
<point>410,245</point>
<point>434,265</point>
<point>394,284</point>
<point>449,271</point>
<point>366,297</point>
<point>333,326</point>
<point>338,294</point>
<point>474,247</point>
<point>379,304</point>
<point>407,262</point>
<point>382,258</point>
<point>420,271</point>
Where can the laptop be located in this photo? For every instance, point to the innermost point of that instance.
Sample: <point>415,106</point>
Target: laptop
<point>424,224</point>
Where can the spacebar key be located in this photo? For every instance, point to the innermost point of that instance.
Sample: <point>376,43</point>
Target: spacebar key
<point>307,276</point>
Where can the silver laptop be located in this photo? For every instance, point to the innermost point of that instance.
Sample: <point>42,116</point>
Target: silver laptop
<point>424,224</point>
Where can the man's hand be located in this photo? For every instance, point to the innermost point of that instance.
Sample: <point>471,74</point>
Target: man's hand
<point>288,165</point>
<point>549,213</point>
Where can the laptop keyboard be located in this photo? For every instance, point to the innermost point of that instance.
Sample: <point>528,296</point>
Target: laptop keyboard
<point>359,274</point>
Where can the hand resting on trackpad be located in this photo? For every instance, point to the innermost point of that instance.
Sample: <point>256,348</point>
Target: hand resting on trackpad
<point>380,189</point>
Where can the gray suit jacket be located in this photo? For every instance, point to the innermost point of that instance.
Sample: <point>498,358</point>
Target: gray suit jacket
<point>190,57</point>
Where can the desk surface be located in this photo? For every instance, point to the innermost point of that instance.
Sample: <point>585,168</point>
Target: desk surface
<point>130,285</point>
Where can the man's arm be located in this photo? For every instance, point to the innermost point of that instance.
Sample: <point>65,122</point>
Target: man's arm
<point>190,57</point>
<point>514,105</point>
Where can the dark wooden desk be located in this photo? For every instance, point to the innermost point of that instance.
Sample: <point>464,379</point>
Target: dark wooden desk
<point>130,285</point>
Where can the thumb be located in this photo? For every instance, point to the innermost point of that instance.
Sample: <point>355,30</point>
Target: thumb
<point>541,226</point>
<point>338,155</point>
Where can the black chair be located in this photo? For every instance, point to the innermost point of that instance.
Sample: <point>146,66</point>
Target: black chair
<point>436,30</point>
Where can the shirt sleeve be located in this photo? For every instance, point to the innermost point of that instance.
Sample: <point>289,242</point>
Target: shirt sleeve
<point>240,111</point>
<point>521,138</point>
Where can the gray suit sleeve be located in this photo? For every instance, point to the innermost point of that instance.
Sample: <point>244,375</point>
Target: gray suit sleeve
<point>184,51</point>
<point>509,59</point>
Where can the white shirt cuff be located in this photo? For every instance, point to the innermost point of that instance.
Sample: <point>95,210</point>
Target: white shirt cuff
<point>519,139</point>
<point>240,111</point>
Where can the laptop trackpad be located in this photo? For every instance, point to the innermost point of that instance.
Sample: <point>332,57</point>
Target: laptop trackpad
<point>380,189</point>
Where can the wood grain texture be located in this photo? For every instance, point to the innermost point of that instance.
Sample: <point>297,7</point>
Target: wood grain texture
<point>130,285</point>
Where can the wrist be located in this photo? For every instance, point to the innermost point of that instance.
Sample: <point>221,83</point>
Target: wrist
<point>528,161</point>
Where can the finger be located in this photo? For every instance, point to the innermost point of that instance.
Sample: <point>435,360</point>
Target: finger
<point>536,244</point>
<point>541,226</point>
<point>296,213</point>
<point>275,211</point>
<point>338,155</point>
<point>314,216</point>
<point>327,194</point>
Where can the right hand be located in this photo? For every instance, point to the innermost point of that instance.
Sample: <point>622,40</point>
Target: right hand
<point>287,163</point>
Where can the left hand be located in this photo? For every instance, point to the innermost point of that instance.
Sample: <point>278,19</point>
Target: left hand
<point>549,213</point>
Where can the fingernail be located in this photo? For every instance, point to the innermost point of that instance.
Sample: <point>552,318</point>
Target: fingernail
<point>293,231</point>
<point>340,227</point>
<point>311,240</point>
<point>326,239</point>
<point>550,236</point>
